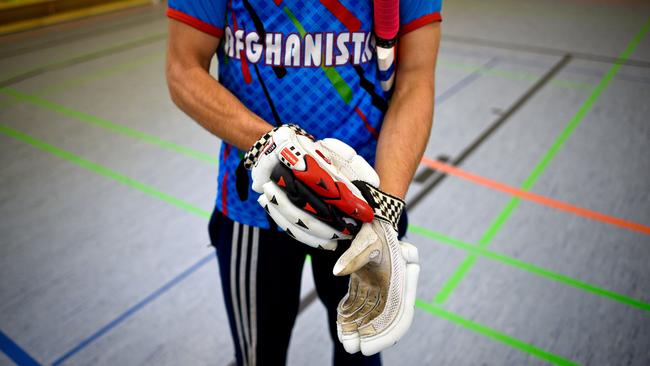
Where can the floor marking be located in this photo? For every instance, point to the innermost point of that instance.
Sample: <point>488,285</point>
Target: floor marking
<point>539,271</point>
<point>96,168</point>
<point>464,82</point>
<point>491,333</point>
<point>541,50</point>
<point>206,214</point>
<point>178,203</point>
<point>133,309</point>
<point>451,64</point>
<point>115,127</point>
<point>34,99</point>
<point>67,15</point>
<point>66,84</point>
<point>102,73</point>
<point>24,75</point>
<point>493,127</point>
<point>15,353</point>
<point>307,300</point>
<point>129,18</point>
<point>501,219</point>
<point>106,172</point>
<point>119,128</point>
<point>542,200</point>
<point>468,79</point>
<point>454,58</point>
<point>79,164</point>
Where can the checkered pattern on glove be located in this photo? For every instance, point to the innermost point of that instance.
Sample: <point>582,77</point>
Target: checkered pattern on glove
<point>386,207</point>
<point>253,154</point>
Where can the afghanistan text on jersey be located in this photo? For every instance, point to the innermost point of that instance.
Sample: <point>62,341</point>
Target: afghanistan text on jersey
<point>293,50</point>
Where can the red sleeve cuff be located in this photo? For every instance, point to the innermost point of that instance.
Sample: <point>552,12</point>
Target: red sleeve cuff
<point>195,23</point>
<point>419,22</point>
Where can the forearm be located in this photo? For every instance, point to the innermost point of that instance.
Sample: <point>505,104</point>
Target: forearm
<point>210,104</point>
<point>407,124</point>
<point>404,136</point>
<point>199,95</point>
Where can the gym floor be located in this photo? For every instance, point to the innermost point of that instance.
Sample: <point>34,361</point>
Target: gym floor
<point>531,209</point>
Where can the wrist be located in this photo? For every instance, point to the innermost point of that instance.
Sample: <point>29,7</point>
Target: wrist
<point>386,206</point>
<point>266,143</point>
<point>393,188</point>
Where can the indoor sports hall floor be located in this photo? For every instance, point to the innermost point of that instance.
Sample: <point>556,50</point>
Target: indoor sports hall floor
<point>534,236</point>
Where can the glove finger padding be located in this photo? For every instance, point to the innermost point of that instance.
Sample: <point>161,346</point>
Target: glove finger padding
<point>293,147</point>
<point>346,160</point>
<point>305,185</point>
<point>298,223</point>
<point>321,176</point>
<point>303,198</point>
<point>379,306</point>
<point>269,152</point>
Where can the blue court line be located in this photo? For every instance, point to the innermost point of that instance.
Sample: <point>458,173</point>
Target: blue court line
<point>15,353</point>
<point>464,82</point>
<point>133,309</point>
<point>454,89</point>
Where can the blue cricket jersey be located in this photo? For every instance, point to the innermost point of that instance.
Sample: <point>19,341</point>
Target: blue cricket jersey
<point>309,62</point>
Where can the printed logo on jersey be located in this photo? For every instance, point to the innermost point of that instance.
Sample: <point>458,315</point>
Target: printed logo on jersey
<point>292,50</point>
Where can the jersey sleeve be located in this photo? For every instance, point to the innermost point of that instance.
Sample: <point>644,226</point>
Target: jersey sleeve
<point>414,14</point>
<point>208,16</point>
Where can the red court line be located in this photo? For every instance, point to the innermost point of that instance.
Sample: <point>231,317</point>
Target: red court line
<point>542,200</point>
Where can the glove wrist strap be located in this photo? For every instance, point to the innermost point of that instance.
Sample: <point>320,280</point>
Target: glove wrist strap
<point>253,154</point>
<point>386,207</point>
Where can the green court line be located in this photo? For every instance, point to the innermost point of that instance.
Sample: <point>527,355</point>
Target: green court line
<point>102,73</point>
<point>448,64</point>
<point>516,263</point>
<point>332,75</point>
<point>102,170</point>
<point>493,334</point>
<point>478,251</point>
<point>124,130</point>
<point>575,121</point>
<point>151,191</point>
<point>34,71</point>
<point>92,76</point>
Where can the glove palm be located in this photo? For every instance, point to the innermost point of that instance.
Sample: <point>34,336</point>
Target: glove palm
<point>378,308</point>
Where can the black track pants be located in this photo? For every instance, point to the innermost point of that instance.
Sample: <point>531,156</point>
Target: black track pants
<point>260,278</point>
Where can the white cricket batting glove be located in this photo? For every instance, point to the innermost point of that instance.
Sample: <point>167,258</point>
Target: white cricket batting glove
<point>305,186</point>
<point>378,308</point>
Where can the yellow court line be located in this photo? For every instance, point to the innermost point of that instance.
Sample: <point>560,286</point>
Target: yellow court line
<point>70,15</point>
<point>4,5</point>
